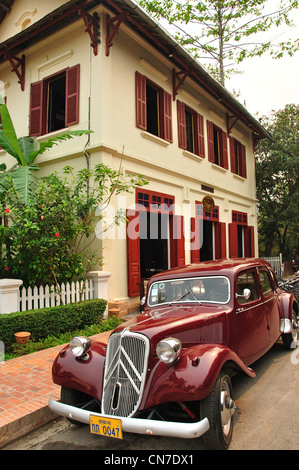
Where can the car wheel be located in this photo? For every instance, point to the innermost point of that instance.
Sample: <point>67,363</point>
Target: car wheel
<point>68,396</point>
<point>290,339</point>
<point>219,408</point>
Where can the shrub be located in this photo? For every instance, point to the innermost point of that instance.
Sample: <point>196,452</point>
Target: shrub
<point>51,321</point>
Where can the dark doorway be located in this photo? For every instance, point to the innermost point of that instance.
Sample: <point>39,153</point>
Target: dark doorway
<point>240,241</point>
<point>56,100</point>
<point>206,251</point>
<point>153,243</point>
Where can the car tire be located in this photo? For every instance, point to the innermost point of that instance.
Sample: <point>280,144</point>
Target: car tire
<point>290,340</point>
<point>71,397</point>
<point>219,408</point>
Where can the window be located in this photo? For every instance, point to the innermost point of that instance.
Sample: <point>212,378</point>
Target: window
<point>54,102</point>
<point>237,157</point>
<point>217,145</point>
<point>152,201</point>
<point>153,108</point>
<point>265,282</point>
<point>246,280</point>
<point>190,130</point>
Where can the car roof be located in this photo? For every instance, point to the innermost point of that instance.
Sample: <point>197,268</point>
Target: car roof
<point>224,267</point>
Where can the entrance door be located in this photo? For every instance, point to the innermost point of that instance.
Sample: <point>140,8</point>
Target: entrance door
<point>206,251</point>
<point>154,234</point>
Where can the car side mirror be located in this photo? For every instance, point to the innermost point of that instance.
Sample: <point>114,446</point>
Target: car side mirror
<point>142,303</point>
<point>245,295</point>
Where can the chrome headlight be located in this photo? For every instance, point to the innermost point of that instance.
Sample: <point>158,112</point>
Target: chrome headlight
<point>80,345</point>
<point>168,350</point>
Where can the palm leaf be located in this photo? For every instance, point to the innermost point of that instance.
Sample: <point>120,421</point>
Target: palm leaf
<point>9,138</point>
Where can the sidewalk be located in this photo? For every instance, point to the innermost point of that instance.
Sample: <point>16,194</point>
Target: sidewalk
<point>25,388</point>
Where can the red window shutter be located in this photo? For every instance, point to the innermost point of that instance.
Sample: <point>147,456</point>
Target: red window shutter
<point>36,112</point>
<point>220,240</point>
<point>232,154</point>
<point>224,150</point>
<point>211,155</point>
<point>195,240</point>
<point>181,125</point>
<point>233,240</point>
<point>200,135</point>
<point>243,161</point>
<point>177,242</point>
<point>249,241</point>
<point>141,101</point>
<point>167,101</point>
<point>72,95</point>
<point>133,253</point>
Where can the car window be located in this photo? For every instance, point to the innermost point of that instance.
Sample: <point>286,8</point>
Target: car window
<point>247,280</point>
<point>205,289</point>
<point>265,281</point>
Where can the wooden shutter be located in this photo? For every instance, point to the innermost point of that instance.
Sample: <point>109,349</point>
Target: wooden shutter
<point>36,111</point>
<point>249,241</point>
<point>177,242</point>
<point>224,159</point>
<point>233,240</point>
<point>167,103</point>
<point>72,95</point>
<point>200,135</point>
<point>232,154</point>
<point>211,155</point>
<point>195,240</point>
<point>220,240</point>
<point>181,125</point>
<point>141,101</point>
<point>133,253</point>
<point>243,161</point>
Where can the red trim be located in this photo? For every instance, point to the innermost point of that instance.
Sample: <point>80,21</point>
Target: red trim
<point>154,201</point>
<point>72,95</point>
<point>133,253</point>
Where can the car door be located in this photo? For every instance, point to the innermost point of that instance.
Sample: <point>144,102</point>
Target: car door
<point>270,304</point>
<point>251,319</point>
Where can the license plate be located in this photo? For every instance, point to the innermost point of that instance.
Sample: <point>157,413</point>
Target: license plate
<point>109,427</point>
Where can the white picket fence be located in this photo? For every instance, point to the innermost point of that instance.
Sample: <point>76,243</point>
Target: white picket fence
<point>47,296</point>
<point>276,263</point>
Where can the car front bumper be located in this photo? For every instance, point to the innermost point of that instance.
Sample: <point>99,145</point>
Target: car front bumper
<point>136,425</point>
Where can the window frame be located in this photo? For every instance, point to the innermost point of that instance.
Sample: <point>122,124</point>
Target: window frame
<point>221,158</point>
<point>237,157</point>
<point>197,131</point>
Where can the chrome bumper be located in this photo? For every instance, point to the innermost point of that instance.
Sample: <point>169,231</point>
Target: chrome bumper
<point>136,425</point>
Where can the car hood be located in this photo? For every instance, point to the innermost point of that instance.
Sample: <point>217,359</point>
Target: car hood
<point>191,324</point>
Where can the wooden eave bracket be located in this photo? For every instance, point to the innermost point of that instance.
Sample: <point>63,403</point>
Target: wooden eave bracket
<point>230,125</point>
<point>92,27</point>
<point>181,77</point>
<point>112,28</point>
<point>18,66</point>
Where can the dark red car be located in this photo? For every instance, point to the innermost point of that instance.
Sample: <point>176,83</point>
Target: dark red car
<point>169,372</point>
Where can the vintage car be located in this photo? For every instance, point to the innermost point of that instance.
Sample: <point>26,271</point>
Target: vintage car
<point>169,371</point>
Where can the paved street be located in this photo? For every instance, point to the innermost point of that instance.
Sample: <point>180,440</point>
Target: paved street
<point>266,417</point>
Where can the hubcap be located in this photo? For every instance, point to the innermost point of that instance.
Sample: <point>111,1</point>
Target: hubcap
<point>227,407</point>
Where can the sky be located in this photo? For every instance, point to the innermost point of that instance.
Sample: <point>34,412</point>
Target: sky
<point>268,84</point>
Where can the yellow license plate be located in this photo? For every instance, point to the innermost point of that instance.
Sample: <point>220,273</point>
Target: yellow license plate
<point>109,427</point>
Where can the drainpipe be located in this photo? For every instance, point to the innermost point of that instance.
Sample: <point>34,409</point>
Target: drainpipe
<point>86,154</point>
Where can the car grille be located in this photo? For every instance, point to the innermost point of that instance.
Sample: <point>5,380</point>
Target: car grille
<point>125,371</point>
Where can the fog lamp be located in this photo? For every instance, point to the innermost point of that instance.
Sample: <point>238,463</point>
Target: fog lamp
<point>80,345</point>
<point>168,350</point>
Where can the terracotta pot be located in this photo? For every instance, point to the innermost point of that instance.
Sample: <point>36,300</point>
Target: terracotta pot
<point>22,337</point>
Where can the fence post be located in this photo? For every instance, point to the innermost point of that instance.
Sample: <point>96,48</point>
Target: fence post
<point>100,284</point>
<point>9,295</point>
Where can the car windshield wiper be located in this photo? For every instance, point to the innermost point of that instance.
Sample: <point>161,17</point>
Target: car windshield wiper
<point>189,291</point>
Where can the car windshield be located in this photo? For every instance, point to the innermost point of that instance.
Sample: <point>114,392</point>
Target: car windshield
<point>211,289</point>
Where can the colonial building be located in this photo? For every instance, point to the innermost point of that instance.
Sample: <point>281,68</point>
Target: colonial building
<point>105,65</point>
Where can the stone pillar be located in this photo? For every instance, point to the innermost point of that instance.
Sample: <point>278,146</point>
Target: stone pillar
<point>100,285</point>
<point>9,295</point>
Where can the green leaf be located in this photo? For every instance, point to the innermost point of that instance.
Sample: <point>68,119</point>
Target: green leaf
<point>27,147</point>
<point>23,179</point>
<point>10,140</point>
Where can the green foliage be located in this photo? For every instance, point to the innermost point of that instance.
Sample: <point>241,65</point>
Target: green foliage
<point>220,31</point>
<point>277,177</point>
<point>52,321</point>
<point>16,350</point>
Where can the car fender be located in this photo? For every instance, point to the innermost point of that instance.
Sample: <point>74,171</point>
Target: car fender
<point>79,373</point>
<point>288,303</point>
<point>192,376</point>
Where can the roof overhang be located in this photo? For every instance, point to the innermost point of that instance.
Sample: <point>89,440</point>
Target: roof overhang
<point>148,28</point>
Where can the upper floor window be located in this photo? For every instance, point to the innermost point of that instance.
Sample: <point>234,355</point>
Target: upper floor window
<point>190,130</point>
<point>54,102</point>
<point>153,108</point>
<point>237,157</point>
<point>217,145</point>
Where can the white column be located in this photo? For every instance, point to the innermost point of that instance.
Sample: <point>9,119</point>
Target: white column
<point>100,285</point>
<point>9,295</point>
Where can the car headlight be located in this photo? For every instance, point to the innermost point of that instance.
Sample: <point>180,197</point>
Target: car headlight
<point>79,345</point>
<point>168,350</point>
